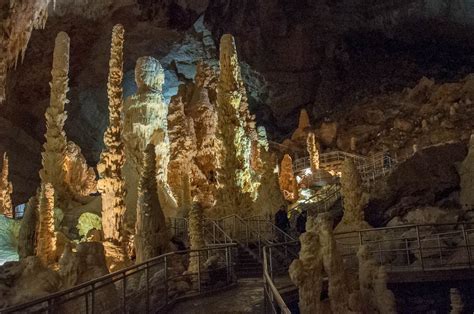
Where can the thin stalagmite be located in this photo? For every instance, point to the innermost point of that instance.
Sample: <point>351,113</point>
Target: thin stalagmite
<point>46,248</point>
<point>6,190</point>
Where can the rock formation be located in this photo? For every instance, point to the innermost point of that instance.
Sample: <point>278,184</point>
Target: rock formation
<point>287,180</point>
<point>238,187</point>
<point>304,125</point>
<point>196,238</point>
<point>111,183</point>
<point>18,20</point>
<point>186,203</point>
<point>466,172</point>
<point>6,189</point>
<point>46,248</point>
<point>78,177</point>
<point>457,305</point>
<point>375,297</point>
<point>53,157</point>
<point>151,234</point>
<point>354,199</point>
<point>145,122</point>
<point>318,252</point>
<point>27,237</point>
<point>313,151</point>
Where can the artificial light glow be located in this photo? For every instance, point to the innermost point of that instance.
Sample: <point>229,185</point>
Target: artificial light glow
<point>308,172</point>
<point>298,179</point>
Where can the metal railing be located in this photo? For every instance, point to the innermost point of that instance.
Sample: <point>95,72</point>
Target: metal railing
<point>320,202</point>
<point>143,288</point>
<point>370,168</point>
<point>408,248</point>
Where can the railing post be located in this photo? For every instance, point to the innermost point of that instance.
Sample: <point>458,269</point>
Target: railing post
<point>227,270</point>
<point>408,252</point>
<point>199,271</point>
<point>270,262</point>
<point>147,283</point>
<point>214,232</point>
<point>466,242</point>
<point>124,292</point>
<point>420,250</point>
<point>93,298</point>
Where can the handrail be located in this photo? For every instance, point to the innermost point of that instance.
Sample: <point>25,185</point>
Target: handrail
<point>108,279</point>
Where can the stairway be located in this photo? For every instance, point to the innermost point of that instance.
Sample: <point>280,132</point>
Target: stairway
<point>247,265</point>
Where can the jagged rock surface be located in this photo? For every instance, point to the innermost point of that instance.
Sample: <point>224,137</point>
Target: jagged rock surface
<point>151,233</point>
<point>6,190</point>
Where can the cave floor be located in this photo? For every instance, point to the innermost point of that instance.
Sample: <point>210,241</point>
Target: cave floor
<point>247,297</point>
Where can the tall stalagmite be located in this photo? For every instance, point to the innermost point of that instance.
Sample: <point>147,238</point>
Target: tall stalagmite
<point>17,21</point>
<point>151,234</point>
<point>287,180</point>
<point>313,151</point>
<point>46,249</point>
<point>28,229</point>
<point>196,237</point>
<point>354,199</point>
<point>53,157</point>
<point>236,176</point>
<point>111,184</point>
<point>6,190</point>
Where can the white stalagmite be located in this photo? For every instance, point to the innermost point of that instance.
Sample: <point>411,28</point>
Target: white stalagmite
<point>287,180</point>
<point>238,188</point>
<point>196,237</point>
<point>6,190</point>
<point>46,249</point>
<point>375,297</point>
<point>53,157</point>
<point>354,199</point>
<point>111,183</point>
<point>313,151</point>
<point>151,234</point>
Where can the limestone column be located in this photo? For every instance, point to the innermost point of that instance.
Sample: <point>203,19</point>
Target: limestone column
<point>111,183</point>
<point>287,180</point>
<point>313,151</point>
<point>55,145</point>
<point>6,190</point>
<point>46,249</point>
<point>196,238</point>
<point>151,234</point>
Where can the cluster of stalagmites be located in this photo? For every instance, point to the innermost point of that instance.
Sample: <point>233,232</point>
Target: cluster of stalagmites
<point>319,258</point>
<point>202,156</point>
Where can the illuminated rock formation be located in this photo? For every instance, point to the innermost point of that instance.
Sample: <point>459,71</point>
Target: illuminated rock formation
<point>186,202</point>
<point>287,180</point>
<point>46,248</point>
<point>18,20</point>
<point>354,199</point>
<point>53,157</point>
<point>111,183</point>
<point>6,189</point>
<point>375,297</point>
<point>151,235</point>
<point>303,127</point>
<point>238,188</point>
<point>466,172</point>
<point>313,151</point>
<point>196,238</point>
<point>306,272</point>
<point>457,305</point>
<point>78,177</point>
<point>145,122</point>
<point>28,229</point>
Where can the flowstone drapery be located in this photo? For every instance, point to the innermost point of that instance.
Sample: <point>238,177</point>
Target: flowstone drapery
<point>313,151</point>
<point>145,122</point>
<point>111,183</point>
<point>6,190</point>
<point>287,180</point>
<point>46,249</point>
<point>17,21</point>
<point>354,199</point>
<point>53,157</point>
<point>29,229</point>
<point>151,235</point>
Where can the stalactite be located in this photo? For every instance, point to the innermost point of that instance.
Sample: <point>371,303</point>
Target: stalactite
<point>313,151</point>
<point>53,157</point>
<point>111,183</point>
<point>17,22</point>
<point>151,235</point>
<point>27,237</point>
<point>354,199</point>
<point>6,190</point>
<point>287,180</point>
<point>46,249</point>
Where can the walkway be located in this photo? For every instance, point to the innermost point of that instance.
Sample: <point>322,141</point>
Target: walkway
<point>246,298</point>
